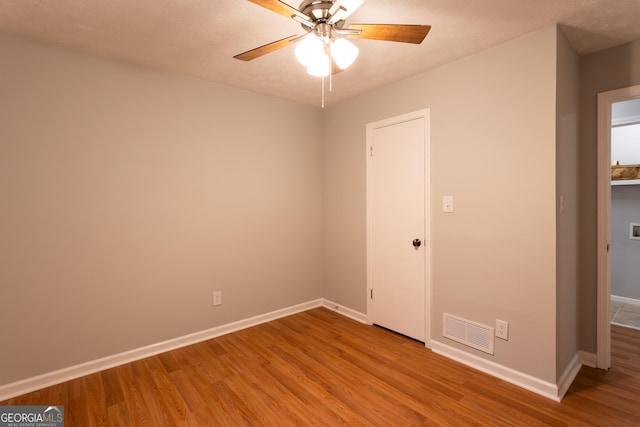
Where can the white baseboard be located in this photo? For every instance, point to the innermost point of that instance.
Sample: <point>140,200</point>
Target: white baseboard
<point>588,359</point>
<point>625,300</point>
<point>28,385</point>
<point>624,325</point>
<point>345,311</point>
<point>528,382</point>
<point>569,374</point>
<point>536,385</point>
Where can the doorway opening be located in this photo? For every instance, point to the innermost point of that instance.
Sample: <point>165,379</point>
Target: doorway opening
<point>606,101</point>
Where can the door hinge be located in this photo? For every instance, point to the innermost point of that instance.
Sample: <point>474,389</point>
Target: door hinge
<point>371,150</point>
<point>608,245</point>
<point>371,292</point>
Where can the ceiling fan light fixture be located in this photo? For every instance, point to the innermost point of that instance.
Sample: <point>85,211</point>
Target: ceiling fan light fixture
<point>309,50</point>
<point>324,49</point>
<point>344,52</point>
<point>311,53</point>
<point>320,66</point>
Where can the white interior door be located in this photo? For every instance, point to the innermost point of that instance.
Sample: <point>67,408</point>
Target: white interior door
<point>397,225</point>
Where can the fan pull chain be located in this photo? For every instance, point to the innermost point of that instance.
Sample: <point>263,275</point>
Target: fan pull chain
<point>330,69</point>
<point>322,91</point>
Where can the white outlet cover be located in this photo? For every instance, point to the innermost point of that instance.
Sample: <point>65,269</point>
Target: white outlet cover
<point>502,329</point>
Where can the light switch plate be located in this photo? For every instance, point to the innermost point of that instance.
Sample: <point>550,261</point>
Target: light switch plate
<point>217,298</point>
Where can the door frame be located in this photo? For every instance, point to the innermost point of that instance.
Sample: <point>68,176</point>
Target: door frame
<point>603,320</point>
<point>419,114</point>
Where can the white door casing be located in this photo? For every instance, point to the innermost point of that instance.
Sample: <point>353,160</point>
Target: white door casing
<point>603,320</point>
<point>398,273</point>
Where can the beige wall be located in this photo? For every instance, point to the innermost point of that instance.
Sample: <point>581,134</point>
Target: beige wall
<point>128,195</point>
<point>493,133</point>
<point>610,69</point>
<point>132,194</point>
<point>567,106</point>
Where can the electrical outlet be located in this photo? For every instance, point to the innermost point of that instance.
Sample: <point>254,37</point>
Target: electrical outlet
<point>217,298</point>
<point>502,329</point>
<point>447,204</point>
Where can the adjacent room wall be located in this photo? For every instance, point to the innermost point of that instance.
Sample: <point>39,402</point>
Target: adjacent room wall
<point>128,195</point>
<point>625,252</point>
<point>625,144</point>
<point>610,69</point>
<point>567,106</point>
<point>625,210</point>
<point>493,147</point>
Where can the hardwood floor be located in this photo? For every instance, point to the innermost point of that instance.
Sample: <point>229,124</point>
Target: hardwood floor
<point>320,368</point>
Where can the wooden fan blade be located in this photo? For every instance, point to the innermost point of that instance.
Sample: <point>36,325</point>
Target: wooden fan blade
<point>280,8</point>
<point>391,32</point>
<point>267,48</point>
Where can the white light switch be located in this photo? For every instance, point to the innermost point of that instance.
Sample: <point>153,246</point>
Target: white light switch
<point>447,204</point>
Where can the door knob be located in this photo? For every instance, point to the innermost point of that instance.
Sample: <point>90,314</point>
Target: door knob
<point>416,243</point>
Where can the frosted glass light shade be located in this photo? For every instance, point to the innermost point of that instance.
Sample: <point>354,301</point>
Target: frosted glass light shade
<point>344,52</point>
<point>320,66</point>
<point>309,50</point>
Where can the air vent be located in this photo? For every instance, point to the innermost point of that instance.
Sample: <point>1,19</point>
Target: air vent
<point>469,333</point>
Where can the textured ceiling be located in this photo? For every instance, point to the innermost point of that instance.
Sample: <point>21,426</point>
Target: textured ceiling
<point>200,37</point>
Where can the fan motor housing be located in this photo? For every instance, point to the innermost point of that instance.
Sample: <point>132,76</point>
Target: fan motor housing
<point>317,10</point>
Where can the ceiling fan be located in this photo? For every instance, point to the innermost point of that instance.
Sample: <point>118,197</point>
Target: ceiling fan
<point>329,52</point>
